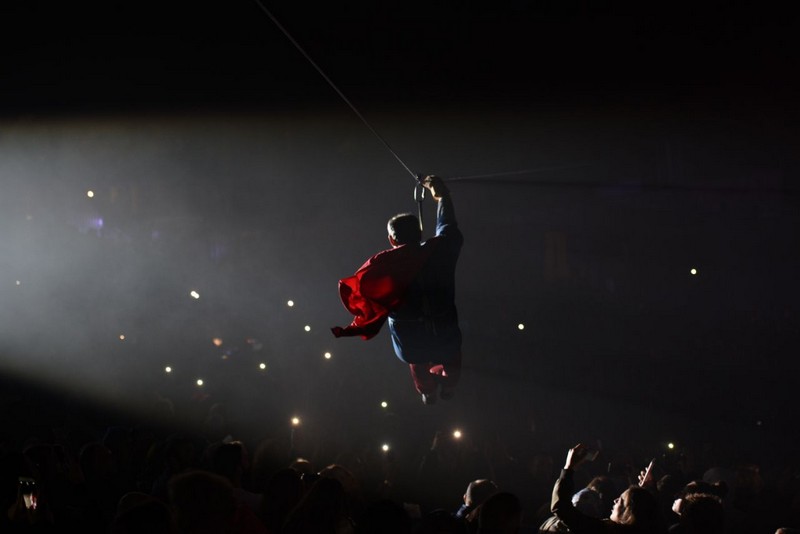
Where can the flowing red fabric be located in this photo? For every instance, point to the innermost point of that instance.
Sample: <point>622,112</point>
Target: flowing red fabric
<point>378,287</point>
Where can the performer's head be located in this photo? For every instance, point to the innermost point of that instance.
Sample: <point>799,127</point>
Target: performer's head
<point>404,229</point>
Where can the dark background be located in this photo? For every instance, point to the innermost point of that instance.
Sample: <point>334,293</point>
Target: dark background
<point>596,152</point>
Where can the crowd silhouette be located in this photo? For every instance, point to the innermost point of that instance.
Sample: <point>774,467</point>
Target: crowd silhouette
<point>153,475</point>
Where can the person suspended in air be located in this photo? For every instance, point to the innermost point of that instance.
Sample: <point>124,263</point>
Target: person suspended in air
<point>412,285</point>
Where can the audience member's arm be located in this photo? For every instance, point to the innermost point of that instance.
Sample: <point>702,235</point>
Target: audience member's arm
<point>561,503</point>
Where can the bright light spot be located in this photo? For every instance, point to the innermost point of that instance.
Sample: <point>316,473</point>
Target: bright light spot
<point>384,404</point>
<point>327,355</point>
<point>19,283</point>
<point>194,294</point>
<point>670,445</point>
<point>90,194</point>
<point>295,421</point>
<point>758,423</point>
<point>199,381</point>
<point>307,328</point>
<point>290,303</point>
<point>168,369</point>
<point>122,337</point>
<point>262,366</point>
<point>521,326</point>
<point>457,434</point>
<point>224,356</point>
<point>385,447</point>
<point>217,341</point>
<point>693,271</point>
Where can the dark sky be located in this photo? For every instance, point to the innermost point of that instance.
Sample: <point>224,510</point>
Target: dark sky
<point>119,53</point>
<point>653,140</point>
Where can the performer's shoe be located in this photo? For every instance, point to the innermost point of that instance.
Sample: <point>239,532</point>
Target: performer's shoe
<point>438,370</point>
<point>429,398</point>
<point>447,393</point>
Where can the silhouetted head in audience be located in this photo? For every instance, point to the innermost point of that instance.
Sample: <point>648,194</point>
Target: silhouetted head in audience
<point>228,460</point>
<point>607,489</point>
<point>202,502</point>
<point>322,509</point>
<point>589,503</point>
<point>478,491</point>
<point>302,466</point>
<point>636,507</point>
<point>283,491</point>
<point>140,513</point>
<point>702,513</point>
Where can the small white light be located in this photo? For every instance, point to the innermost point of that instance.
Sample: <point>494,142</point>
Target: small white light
<point>262,366</point>
<point>168,369</point>
<point>199,381</point>
<point>295,421</point>
<point>670,445</point>
<point>693,271</point>
<point>90,194</point>
<point>122,337</point>
<point>520,326</point>
<point>217,341</point>
<point>19,283</point>
<point>457,434</point>
<point>307,328</point>
<point>384,404</point>
<point>290,303</point>
<point>327,355</point>
<point>194,294</point>
<point>385,447</point>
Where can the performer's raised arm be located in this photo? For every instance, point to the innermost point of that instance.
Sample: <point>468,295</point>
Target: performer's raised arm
<point>445,213</point>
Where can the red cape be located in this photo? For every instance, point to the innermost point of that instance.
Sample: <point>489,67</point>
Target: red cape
<point>378,287</point>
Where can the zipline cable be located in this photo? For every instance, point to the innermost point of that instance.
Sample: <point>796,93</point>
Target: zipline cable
<point>520,172</point>
<point>341,94</point>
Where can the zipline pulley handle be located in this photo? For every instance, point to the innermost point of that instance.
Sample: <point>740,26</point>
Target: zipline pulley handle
<point>419,196</point>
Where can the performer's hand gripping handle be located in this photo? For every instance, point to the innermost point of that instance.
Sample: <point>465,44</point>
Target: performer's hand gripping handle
<point>436,186</point>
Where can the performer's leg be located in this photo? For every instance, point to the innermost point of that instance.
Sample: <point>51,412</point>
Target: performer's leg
<point>452,372</point>
<point>424,381</point>
<point>448,375</point>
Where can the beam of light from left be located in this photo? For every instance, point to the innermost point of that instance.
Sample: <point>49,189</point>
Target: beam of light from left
<point>74,275</point>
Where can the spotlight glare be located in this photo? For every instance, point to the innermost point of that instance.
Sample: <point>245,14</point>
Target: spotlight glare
<point>122,337</point>
<point>385,447</point>
<point>384,404</point>
<point>168,369</point>
<point>693,271</point>
<point>194,294</point>
<point>457,434</point>
<point>90,194</point>
<point>217,341</point>
<point>295,421</point>
<point>520,326</point>
<point>262,366</point>
<point>290,303</point>
<point>328,355</point>
<point>307,328</point>
<point>670,445</point>
<point>19,283</point>
<point>200,382</point>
